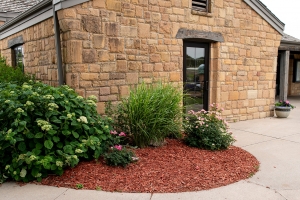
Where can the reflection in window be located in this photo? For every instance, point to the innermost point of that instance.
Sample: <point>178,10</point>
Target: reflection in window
<point>17,57</point>
<point>296,72</point>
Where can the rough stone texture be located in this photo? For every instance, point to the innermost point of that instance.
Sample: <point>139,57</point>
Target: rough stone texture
<point>135,40</point>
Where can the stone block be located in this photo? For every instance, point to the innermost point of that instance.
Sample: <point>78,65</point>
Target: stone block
<point>124,90</point>
<point>89,56</point>
<point>128,31</point>
<point>113,5</point>
<point>233,95</point>
<point>99,3</point>
<point>175,76</point>
<point>89,76</point>
<point>103,56</point>
<point>98,41</point>
<point>132,78</point>
<point>104,90</point>
<point>73,52</point>
<point>155,58</point>
<point>252,94</point>
<point>121,66</point>
<point>144,30</point>
<point>112,29</point>
<point>134,65</point>
<point>116,45</point>
<point>101,107</point>
<point>91,24</point>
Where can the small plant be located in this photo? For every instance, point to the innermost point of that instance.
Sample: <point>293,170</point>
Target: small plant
<point>284,104</point>
<point>98,188</point>
<point>207,129</point>
<point>79,186</point>
<point>119,156</point>
<point>149,114</point>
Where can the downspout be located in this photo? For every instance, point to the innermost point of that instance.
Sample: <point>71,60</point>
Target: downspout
<point>61,78</point>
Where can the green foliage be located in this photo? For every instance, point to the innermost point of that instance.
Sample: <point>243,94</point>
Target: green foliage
<point>79,186</point>
<point>149,114</point>
<point>207,129</point>
<point>119,156</point>
<point>44,129</point>
<point>13,75</point>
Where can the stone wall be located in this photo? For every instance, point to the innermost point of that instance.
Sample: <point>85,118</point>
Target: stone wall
<point>111,45</point>
<point>294,88</point>
<point>39,51</point>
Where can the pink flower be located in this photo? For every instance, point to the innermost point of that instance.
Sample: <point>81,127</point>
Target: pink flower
<point>287,101</point>
<point>122,134</point>
<point>118,147</point>
<point>114,132</point>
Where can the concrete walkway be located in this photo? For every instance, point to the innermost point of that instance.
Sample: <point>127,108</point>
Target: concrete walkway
<point>275,142</point>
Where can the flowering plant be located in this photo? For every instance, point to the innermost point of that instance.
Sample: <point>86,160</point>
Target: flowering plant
<point>207,129</point>
<point>284,104</point>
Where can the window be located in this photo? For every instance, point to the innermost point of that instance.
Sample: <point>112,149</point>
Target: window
<point>200,5</point>
<point>296,71</point>
<point>17,57</point>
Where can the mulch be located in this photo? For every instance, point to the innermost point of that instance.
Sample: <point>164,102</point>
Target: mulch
<point>173,167</point>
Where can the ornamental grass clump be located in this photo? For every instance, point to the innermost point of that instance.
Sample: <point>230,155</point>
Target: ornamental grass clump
<point>44,129</point>
<point>207,129</point>
<point>149,114</point>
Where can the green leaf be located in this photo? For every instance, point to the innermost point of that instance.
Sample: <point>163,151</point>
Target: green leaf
<point>39,135</point>
<point>60,145</point>
<point>68,149</point>
<point>38,146</point>
<point>22,123</point>
<point>53,167</point>
<point>36,152</point>
<point>85,127</point>
<point>52,132</point>
<point>48,144</point>
<point>103,137</point>
<point>78,111</point>
<point>66,132</point>
<point>22,146</point>
<point>55,120</point>
<point>75,134</point>
<point>56,139</point>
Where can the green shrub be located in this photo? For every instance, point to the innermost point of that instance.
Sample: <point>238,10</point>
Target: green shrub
<point>119,156</point>
<point>149,114</point>
<point>44,129</point>
<point>207,129</point>
<point>13,75</point>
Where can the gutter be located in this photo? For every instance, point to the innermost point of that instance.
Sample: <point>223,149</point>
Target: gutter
<point>61,78</point>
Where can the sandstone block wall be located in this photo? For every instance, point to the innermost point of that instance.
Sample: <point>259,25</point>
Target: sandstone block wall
<point>112,45</point>
<point>39,51</point>
<point>294,88</point>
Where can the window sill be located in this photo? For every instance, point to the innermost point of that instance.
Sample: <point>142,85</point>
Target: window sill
<point>201,13</point>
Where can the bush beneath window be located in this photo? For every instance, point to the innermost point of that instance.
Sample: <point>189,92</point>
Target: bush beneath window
<point>149,114</point>
<point>44,129</point>
<point>13,75</point>
<point>207,129</point>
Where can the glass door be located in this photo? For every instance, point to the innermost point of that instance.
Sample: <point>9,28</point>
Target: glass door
<point>195,75</point>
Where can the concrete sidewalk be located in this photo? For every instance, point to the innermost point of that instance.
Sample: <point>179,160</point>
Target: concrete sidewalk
<point>275,143</point>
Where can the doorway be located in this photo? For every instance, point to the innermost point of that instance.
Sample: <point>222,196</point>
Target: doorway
<point>196,75</point>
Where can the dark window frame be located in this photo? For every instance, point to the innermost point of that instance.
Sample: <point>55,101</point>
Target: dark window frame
<point>17,56</point>
<point>201,5</point>
<point>296,70</point>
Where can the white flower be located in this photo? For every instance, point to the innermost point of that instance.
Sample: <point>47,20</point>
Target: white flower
<point>7,167</point>
<point>78,151</point>
<point>59,163</point>
<point>9,131</point>
<point>6,101</point>
<point>53,105</point>
<point>29,103</point>
<point>25,86</point>
<point>38,175</point>
<point>32,157</point>
<point>23,173</point>
<point>46,127</point>
<point>15,173</point>
<point>19,110</point>
<point>91,103</point>
<point>48,96</point>
<point>82,119</point>
<point>93,98</point>
<point>79,97</point>
<point>69,116</point>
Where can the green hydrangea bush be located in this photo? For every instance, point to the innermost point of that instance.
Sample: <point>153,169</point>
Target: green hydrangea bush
<point>44,129</point>
<point>207,129</point>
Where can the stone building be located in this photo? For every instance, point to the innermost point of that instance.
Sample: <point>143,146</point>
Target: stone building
<point>222,51</point>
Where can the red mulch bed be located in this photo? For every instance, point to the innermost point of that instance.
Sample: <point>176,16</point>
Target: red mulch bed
<point>173,167</point>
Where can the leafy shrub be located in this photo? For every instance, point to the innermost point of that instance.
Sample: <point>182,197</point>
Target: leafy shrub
<point>44,129</point>
<point>119,156</point>
<point>149,114</point>
<point>207,129</point>
<point>13,75</point>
